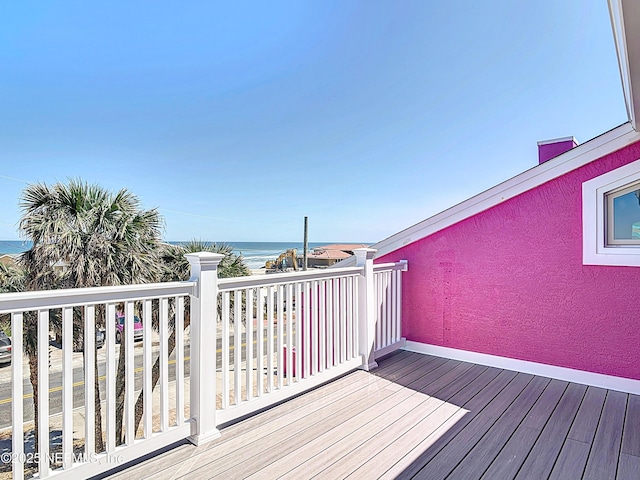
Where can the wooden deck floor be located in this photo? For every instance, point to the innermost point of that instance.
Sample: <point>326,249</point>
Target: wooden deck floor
<point>418,416</point>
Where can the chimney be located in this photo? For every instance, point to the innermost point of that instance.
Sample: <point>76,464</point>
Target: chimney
<point>547,149</point>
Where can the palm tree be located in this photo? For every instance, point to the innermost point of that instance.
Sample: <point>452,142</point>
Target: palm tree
<point>175,267</point>
<point>98,238</point>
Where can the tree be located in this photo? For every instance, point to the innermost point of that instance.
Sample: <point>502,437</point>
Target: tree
<point>85,236</point>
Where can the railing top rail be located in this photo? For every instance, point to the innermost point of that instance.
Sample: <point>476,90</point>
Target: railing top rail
<point>236,283</point>
<point>401,265</point>
<point>46,299</point>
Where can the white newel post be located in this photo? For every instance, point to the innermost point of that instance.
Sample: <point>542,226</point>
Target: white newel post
<point>366,307</point>
<point>204,307</point>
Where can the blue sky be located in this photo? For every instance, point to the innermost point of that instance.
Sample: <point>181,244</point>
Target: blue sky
<point>237,119</point>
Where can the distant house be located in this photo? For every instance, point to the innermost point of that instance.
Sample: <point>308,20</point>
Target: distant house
<point>8,259</point>
<point>328,255</point>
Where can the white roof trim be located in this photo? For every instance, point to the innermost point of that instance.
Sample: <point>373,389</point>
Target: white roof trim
<point>581,155</point>
<point>558,140</point>
<point>625,23</point>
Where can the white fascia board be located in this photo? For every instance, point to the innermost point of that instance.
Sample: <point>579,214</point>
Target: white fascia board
<point>598,147</point>
<point>625,23</point>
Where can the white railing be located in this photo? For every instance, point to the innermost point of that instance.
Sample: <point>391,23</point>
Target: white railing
<point>79,309</point>
<point>388,300</point>
<point>285,333</point>
<point>253,341</point>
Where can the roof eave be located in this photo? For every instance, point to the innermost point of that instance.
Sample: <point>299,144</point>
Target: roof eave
<point>625,24</point>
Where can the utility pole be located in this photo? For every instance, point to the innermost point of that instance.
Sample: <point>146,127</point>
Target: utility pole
<point>306,243</point>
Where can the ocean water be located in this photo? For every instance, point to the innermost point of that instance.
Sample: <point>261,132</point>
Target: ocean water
<point>255,254</point>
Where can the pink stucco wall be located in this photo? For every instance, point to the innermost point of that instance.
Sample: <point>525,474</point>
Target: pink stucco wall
<point>510,282</point>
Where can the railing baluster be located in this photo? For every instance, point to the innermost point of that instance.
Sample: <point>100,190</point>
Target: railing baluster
<point>89,380</point>
<point>328,308</point>
<point>322,330</point>
<point>249,344</point>
<point>306,345</point>
<point>356,317</point>
<point>343,320</point>
<point>393,336</point>
<point>270,338</point>
<point>147,369</point>
<point>237,344</point>
<point>129,375</point>
<point>379,320</point>
<point>226,308</point>
<point>299,322</point>
<point>43,393</point>
<point>111,377</point>
<point>399,303</point>
<point>17,408</point>
<point>179,349</point>
<point>67,386</point>
<point>164,364</point>
<point>314,327</point>
<point>336,321</point>
<point>280,334</point>
<point>290,342</point>
<point>260,341</point>
<point>349,313</point>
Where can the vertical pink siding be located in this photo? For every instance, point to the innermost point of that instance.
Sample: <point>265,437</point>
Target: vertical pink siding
<point>510,282</point>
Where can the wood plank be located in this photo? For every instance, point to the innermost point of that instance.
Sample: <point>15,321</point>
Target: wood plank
<point>422,437</point>
<point>422,365</point>
<point>586,422</point>
<point>545,451</point>
<point>511,457</point>
<point>603,459</point>
<point>274,462</point>
<point>631,433</point>
<point>628,467</point>
<point>487,448</point>
<point>317,407</point>
<point>456,450</point>
<point>250,453</point>
<point>571,461</point>
<point>403,435</point>
<point>343,458</point>
<point>403,469</point>
<point>430,384</point>
<point>314,458</point>
<point>166,460</point>
<point>342,386</point>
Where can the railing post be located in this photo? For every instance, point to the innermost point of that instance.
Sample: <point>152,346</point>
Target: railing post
<point>204,308</point>
<point>366,307</point>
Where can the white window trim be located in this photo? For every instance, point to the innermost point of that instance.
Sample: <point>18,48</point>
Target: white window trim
<point>595,250</point>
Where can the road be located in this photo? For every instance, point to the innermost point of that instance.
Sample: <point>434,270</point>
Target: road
<point>55,379</point>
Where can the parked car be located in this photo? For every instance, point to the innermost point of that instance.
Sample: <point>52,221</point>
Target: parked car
<point>99,338</point>
<point>5,348</point>
<point>78,344</point>
<point>137,328</point>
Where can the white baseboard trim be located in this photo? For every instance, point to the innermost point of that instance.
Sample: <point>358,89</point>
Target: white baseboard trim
<point>626,385</point>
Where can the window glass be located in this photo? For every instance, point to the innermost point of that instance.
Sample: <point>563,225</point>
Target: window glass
<point>623,213</point>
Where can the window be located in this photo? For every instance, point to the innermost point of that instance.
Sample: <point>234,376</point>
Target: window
<point>623,216</point>
<point>611,217</point>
